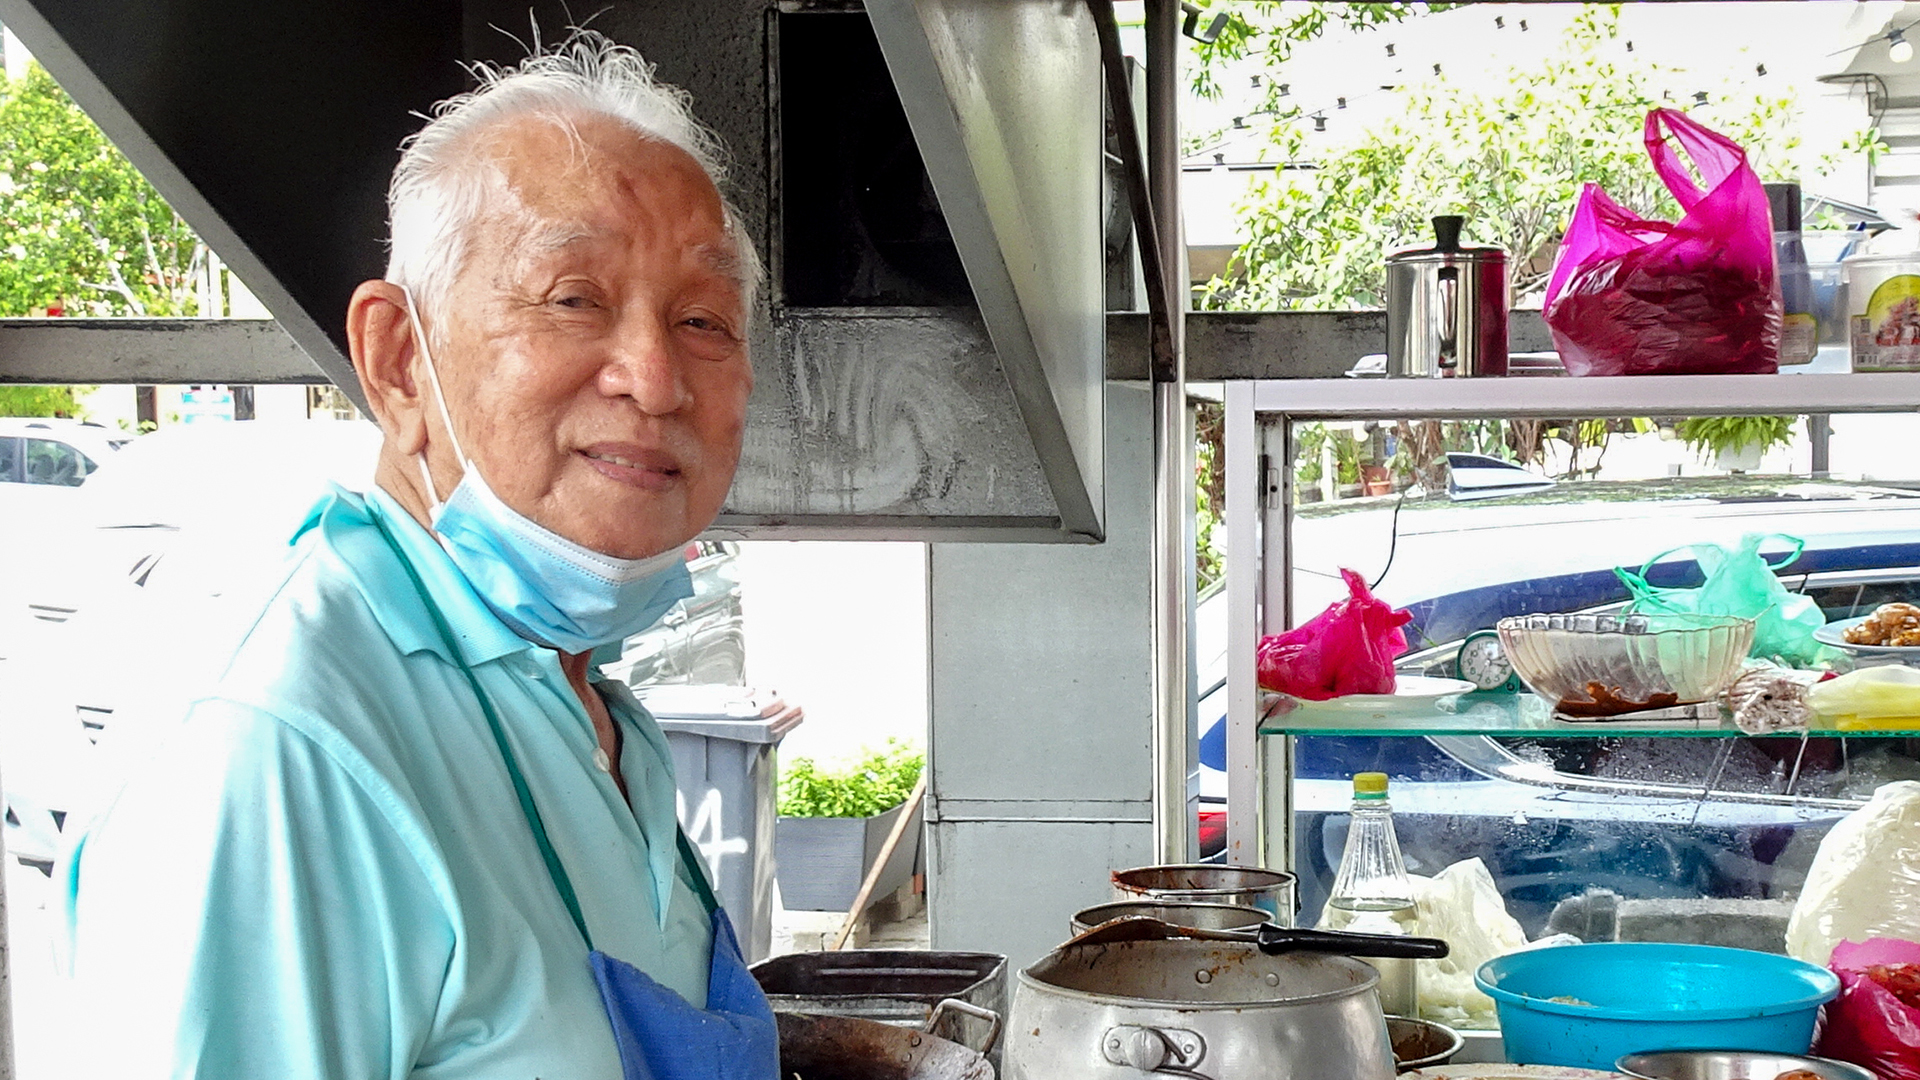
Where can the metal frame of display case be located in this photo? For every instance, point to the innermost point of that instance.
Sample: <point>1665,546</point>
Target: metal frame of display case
<point>1259,416</point>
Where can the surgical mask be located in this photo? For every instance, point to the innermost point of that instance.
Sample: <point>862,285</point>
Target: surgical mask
<point>542,585</point>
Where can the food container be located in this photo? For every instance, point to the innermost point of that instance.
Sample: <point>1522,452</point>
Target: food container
<point>1734,1065</point>
<point>1588,1005</point>
<point>1205,883</point>
<point>1883,312</point>
<point>850,1048</point>
<point>1418,1044</point>
<point>900,987</point>
<point>1219,1009</point>
<point>1606,665</point>
<point>1200,916</point>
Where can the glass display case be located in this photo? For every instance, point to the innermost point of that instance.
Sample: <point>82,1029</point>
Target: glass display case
<point>1597,828</point>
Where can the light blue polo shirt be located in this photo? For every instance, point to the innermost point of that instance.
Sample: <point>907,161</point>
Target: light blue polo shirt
<point>325,873</point>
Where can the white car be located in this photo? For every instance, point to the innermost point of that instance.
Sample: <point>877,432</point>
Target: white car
<point>104,604</point>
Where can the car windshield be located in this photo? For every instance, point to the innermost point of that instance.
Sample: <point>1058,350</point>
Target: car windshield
<point>1595,829</point>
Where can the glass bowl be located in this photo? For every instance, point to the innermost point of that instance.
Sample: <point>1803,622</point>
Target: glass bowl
<point>1605,665</point>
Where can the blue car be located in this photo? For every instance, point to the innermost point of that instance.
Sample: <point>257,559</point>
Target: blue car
<point>1588,834</point>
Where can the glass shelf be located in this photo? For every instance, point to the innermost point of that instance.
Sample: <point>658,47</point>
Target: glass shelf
<point>1522,714</point>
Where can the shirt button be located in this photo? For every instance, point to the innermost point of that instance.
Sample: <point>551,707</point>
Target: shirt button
<point>601,761</point>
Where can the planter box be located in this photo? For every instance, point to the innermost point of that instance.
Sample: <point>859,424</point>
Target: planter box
<point>822,861</point>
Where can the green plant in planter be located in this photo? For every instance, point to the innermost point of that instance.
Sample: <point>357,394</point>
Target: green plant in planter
<point>878,781</point>
<point>1346,457</point>
<point>1312,441</point>
<point>1714,435</point>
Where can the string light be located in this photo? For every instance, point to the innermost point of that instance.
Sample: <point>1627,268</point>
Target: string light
<point>1699,97</point>
<point>1759,69</point>
<point>1340,103</point>
<point>1899,49</point>
<point>1499,22</point>
<point>1389,50</point>
<point>1319,122</point>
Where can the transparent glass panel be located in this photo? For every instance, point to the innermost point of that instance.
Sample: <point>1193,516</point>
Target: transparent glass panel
<point>1604,833</point>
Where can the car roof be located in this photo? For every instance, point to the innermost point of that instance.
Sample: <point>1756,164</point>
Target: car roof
<point>86,435</point>
<point>229,473</point>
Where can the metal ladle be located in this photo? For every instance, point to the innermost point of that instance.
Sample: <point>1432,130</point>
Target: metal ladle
<point>1272,940</point>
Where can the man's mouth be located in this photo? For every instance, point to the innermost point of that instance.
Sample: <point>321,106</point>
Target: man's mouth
<point>631,465</point>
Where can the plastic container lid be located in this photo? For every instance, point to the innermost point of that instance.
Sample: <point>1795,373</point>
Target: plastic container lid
<point>1370,785</point>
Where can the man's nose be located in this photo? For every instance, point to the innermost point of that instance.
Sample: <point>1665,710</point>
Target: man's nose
<point>645,366</point>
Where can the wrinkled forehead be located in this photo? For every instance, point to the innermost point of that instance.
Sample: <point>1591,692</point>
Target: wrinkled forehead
<point>561,184</point>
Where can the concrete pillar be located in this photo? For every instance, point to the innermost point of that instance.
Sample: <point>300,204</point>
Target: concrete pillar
<point>1041,714</point>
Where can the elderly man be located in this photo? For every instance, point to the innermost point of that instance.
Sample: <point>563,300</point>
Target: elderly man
<point>406,832</point>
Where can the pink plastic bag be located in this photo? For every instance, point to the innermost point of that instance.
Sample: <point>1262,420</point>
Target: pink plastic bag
<point>1346,649</point>
<point>1631,296</point>
<point>1869,1024</point>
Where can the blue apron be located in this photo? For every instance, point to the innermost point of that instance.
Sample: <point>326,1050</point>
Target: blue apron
<point>660,1035</point>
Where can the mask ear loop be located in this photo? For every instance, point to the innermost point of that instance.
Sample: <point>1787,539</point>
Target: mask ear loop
<point>439,399</point>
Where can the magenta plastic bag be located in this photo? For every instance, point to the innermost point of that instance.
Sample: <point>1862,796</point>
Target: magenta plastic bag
<point>1346,649</point>
<point>1631,296</point>
<point>1875,1021</point>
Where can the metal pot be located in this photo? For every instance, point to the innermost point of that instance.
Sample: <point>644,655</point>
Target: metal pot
<point>849,1048</point>
<point>1447,308</point>
<point>1206,883</point>
<point>1204,1010</point>
<point>1420,1043</point>
<point>1203,916</point>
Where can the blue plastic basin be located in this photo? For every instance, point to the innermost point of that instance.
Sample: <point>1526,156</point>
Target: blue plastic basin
<point>1630,997</point>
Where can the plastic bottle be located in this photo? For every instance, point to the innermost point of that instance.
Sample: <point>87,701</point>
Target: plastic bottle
<point>1800,330</point>
<point>1371,893</point>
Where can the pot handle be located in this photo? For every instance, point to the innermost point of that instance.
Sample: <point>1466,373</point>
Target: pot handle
<point>1160,1051</point>
<point>966,1008</point>
<point>1275,940</point>
<point>1449,328</point>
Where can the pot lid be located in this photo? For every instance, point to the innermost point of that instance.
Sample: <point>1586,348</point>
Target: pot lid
<point>1447,245</point>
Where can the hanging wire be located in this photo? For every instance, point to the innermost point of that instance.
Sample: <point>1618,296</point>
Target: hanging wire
<point>1891,35</point>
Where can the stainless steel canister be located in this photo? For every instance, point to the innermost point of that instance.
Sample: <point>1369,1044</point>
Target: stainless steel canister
<point>1206,883</point>
<point>1447,308</point>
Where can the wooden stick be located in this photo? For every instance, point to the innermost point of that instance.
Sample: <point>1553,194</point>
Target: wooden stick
<point>880,862</point>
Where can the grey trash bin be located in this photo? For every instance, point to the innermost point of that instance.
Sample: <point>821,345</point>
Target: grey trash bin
<point>723,740</point>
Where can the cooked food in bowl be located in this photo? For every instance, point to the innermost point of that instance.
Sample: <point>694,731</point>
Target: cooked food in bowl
<point>1606,665</point>
<point>1890,624</point>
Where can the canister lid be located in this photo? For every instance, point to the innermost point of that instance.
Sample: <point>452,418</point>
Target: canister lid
<point>1447,245</point>
<point>1370,783</point>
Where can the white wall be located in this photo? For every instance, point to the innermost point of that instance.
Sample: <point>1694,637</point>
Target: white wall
<point>841,630</point>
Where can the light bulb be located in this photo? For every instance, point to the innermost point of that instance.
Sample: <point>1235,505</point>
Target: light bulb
<point>1899,49</point>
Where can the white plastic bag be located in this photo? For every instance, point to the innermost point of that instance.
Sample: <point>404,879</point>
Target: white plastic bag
<point>1865,879</point>
<point>1462,905</point>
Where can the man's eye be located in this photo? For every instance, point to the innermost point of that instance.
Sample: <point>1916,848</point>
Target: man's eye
<point>701,322</point>
<point>575,302</point>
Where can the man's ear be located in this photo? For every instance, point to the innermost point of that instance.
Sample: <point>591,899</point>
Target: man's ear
<point>380,339</point>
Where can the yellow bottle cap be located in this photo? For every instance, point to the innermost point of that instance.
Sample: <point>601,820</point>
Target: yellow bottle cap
<point>1370,783</point>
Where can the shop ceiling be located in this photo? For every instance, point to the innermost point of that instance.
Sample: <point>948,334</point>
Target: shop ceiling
<point>926,176</point>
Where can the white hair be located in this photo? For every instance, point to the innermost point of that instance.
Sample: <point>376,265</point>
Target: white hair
<point>443,182</point>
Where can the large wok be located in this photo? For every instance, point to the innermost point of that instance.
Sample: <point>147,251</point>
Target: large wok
<point>814,1047</point>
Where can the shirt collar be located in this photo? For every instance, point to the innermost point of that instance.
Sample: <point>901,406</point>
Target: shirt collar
<point>346,522</point>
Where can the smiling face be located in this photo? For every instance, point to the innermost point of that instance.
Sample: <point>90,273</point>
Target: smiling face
<point>593,346</point>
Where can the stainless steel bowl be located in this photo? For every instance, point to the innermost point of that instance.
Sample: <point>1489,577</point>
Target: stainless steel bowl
<point>1733,1065</point>
<point>1201,916</point>
<point>1206,883</point>
<point>1420,1043</point>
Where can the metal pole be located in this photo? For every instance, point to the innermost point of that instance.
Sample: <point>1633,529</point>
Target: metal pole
<point>6,974</point>
<point>1173,826</point>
